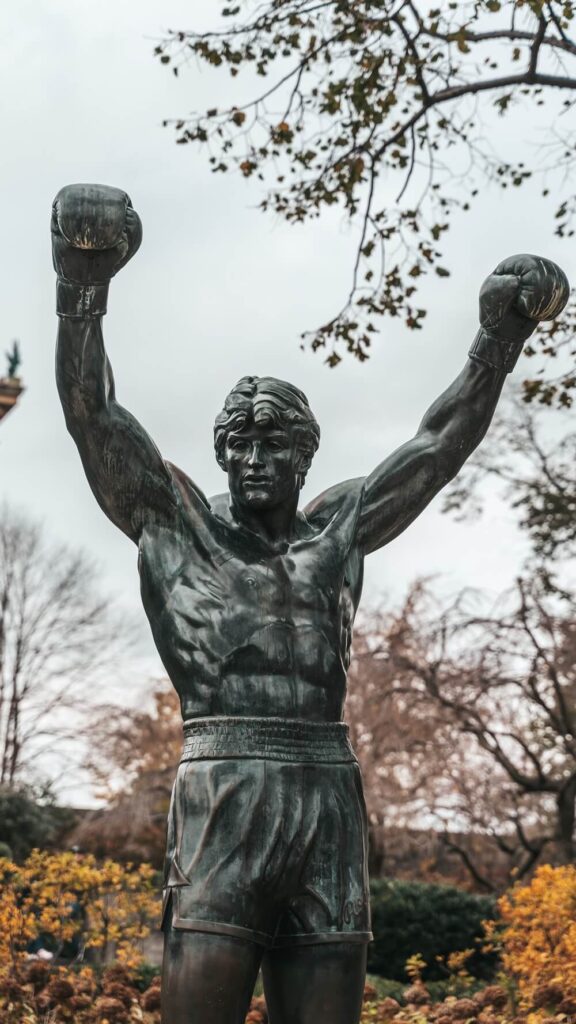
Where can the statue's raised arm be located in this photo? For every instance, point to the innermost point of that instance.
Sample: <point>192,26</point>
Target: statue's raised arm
<point>520,292</point>
<point>95,231</point>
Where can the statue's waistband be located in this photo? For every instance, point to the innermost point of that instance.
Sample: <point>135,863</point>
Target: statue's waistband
<point>274,739</point>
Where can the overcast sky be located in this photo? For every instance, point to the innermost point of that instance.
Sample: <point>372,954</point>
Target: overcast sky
<point>216,291</point>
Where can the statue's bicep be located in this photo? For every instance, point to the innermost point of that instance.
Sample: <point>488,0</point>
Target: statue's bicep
<point>397,491</point>
<point>126,471</point>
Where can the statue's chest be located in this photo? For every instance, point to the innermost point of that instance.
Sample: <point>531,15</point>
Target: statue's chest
<point>286,587</point>
<point>216,591</point>
<point>280,614</point>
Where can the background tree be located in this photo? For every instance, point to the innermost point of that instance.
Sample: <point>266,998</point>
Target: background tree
<point>413,762</point>
<point>134,757</point>
<point>493,701</point>
<point>395,744</point>
<point>60,637</point>
<point>381,108</point>
<point>536,466</point>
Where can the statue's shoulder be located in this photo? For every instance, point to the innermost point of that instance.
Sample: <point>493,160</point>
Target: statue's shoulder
<point>220,505</point>
<point>192,498</point>
<point>340,501</point>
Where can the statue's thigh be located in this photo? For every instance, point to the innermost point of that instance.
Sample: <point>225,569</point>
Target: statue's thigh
<point>316,984</point>
<point>207,978</point>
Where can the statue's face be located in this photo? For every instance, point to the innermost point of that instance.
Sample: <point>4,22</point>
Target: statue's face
<point>263,466</point>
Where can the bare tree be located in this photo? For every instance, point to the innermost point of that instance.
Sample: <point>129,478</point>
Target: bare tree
<point>383,109</point>
<point>536,466</point>
<point>392,740</point>
<point>498,694</point>
<point>133,759</point>
<point>59,639</point>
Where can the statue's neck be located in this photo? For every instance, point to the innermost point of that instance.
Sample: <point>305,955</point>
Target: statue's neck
<point>276,525</point>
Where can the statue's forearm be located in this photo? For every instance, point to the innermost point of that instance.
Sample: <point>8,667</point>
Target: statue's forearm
<point>83,373</point>
<point>460,417</point>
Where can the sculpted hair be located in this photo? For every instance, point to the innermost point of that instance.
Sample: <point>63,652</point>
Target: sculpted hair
<point>268,401</point>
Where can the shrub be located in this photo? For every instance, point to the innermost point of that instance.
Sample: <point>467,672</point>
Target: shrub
<point>54,897</point>
<point>146,975</point>
<point>432,920</point>
<point>30,817</point>
<point>66,995</point>
<point>538,939</point>
<point>69,995</point>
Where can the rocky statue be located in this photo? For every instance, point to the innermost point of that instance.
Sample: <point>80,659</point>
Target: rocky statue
<point>251,603</point>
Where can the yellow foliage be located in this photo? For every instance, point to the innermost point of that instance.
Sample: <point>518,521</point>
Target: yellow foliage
<point>539,938</point>
<point>64,893</point>
<point>456,962</point>
<point>414,966</point>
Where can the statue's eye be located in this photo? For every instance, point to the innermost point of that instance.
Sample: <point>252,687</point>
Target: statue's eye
<point>238,444</point>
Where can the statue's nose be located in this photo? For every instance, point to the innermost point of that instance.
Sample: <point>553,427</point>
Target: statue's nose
<point>256,454</point>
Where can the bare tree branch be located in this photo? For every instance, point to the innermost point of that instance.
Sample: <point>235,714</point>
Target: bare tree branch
<point>58,640</point>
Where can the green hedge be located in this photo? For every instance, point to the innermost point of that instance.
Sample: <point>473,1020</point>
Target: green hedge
<point>433,920</point>
<point>29,818</point>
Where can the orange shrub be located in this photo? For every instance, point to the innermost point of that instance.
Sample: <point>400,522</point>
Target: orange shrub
<point>112,903</point>
<point>539,940</point>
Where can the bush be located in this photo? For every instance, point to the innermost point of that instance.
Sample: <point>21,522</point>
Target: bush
<point>63,899</point>
<point>145,975</point>
<point>44,995</point>
<point>432,920</point>
<point>538,940</point>
<point>29,818</point>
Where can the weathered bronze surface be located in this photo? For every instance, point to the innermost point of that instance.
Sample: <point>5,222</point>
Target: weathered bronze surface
<point>251,603</point>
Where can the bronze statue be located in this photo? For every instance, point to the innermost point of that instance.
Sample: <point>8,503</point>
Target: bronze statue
<point>251,603</point>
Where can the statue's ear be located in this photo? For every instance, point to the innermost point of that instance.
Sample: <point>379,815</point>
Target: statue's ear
<point>303,462</point>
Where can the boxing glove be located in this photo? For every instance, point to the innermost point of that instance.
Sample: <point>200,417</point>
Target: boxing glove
<point>520,292</point>
<point>95,231</point>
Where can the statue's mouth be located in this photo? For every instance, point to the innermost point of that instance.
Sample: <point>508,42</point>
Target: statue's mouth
<point>257,481</point>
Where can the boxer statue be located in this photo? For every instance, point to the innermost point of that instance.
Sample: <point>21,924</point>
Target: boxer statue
<point>251,604</point>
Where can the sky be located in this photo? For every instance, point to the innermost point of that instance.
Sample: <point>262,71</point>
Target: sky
<point>217,291</point>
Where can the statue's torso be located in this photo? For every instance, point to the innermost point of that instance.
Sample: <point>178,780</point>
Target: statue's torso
<point>244,629</point>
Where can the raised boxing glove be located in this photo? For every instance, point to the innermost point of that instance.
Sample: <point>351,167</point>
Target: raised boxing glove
<point>95,231</point>
<point>520,292</point>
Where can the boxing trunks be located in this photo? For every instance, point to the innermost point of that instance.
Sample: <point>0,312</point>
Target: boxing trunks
<point>267,833</point>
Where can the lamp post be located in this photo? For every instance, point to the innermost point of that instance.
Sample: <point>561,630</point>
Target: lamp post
<point>11,386</point>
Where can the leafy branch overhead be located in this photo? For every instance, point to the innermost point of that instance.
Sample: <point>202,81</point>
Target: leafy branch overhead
<point>377,107</point>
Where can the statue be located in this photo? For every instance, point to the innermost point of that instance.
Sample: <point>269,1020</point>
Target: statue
<point>14,360</point>
<point>11,386</point>
<point>251,603</point>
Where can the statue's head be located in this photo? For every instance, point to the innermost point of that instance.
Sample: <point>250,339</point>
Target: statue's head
<point>265,439</point>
